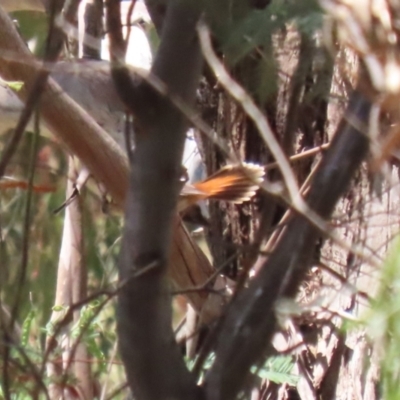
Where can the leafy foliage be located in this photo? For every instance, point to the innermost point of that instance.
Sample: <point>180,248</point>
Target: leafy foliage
<point>278,370</point>
<point>249,43</point>
<point>383,323</point>
<point>96,327</point>
<point>258,28</point>
<point>33,26</point>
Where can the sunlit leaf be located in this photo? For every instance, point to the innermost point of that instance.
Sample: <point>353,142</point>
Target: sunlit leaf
<point>278,370</point>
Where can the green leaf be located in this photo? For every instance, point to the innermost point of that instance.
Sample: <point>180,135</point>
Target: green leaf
<point>14,85</point>
<point>257,29</point>
<point>278,370</point>
<point>26,327</point>
<point>383,323</point>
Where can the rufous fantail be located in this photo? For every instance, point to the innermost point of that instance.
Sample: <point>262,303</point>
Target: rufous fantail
<point>234,183</point>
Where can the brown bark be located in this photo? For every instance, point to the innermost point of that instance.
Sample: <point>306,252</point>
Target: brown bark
<point>154,366</point>
<point>251,318</point>
<point>71,288</point>
<point>84,138</point>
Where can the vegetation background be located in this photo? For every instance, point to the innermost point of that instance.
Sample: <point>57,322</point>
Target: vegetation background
<point>275,298</point>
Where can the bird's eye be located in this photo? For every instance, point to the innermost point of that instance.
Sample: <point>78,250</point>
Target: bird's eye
<point>141,22</point>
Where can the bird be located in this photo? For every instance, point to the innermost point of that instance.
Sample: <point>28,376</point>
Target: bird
<point>233,183</point>
<point>89,83</point>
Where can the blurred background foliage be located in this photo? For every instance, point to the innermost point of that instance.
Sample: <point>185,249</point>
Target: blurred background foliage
<point>33,27</point>
<point>101,231</point>
<point>101,243</point>
<point>246,35</point>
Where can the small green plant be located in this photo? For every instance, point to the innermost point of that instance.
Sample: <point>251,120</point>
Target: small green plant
<point>14,85</point>
<point>383,324</point>
<point>276,369</point>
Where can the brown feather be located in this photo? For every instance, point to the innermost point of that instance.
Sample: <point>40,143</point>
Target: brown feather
<point>234,183</point>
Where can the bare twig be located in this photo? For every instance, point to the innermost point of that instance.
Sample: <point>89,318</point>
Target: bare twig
<point>110,364</point>
<point>117,391</point>
<point>251,319</point>
<point>259,119</point>
<point>128,22</point>
<point>53,46</point>
<point>27,222</point>
<point>301,156</point>
<point>24,258</point>
<point>296,201</point>
<point>31,367</point>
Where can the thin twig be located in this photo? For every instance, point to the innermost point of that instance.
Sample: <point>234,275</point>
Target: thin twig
<point>78,305</point>
<point>344,281</point>
<point>296,201</point>
<point>110,364</point>
<point>78,340</point>
<point>128,23</point>
<point>24,260</point>
<point>117,391</point>
<point>80,183</point>
<point>53,46</point>
<point>27,223</point>
<point>300,156</point>
<point>273,239</point>
<point>30,368</point>
<point>251,109</point>
<point>204,285</point>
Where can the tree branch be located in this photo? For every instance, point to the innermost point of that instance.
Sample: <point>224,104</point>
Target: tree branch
<point>154,365</point>
<point>251,318</point>
<point>88,141</point>
<point>62,115</point>
<point>157,11</point>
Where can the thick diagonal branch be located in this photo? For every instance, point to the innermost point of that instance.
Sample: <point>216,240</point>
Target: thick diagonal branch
<point>100,154</point>
<point>251,318</point>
